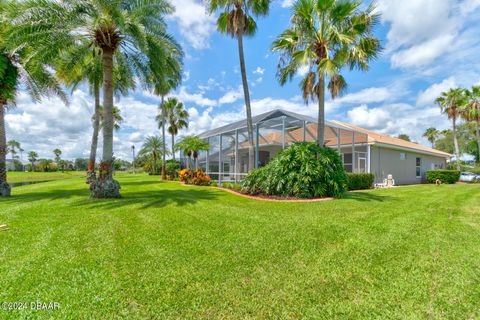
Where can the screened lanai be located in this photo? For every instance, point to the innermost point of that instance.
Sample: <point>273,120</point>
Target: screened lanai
<point>228,157</point>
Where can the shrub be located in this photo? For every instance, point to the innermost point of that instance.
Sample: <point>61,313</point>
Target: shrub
<point>196,177</point>
<point>233,186</point>
<point>304,170</point>
<point>360,181</point>
<point>445,176</point>
<point>171,168</point>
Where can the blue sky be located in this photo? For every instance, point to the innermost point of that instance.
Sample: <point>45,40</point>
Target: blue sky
<point>430,46</point>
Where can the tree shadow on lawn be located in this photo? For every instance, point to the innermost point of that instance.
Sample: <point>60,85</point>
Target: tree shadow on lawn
<point>368,196</point>
<point>145,198</point>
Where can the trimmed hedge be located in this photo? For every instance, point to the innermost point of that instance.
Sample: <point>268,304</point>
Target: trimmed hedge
<point>360,181</point>
<point>445,176</point>
<point>303,170</point>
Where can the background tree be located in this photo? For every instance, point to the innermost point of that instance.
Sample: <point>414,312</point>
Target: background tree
<point>117,118</point>
<point>191,146</point>
<point>237,20</point>
<point>32,157</point>
<point>45,165</point>
<point>326,36</point>
<point>471,112</point>
<point>135,28</point>
<point>152,148</point>
<point>57,153</point>
<point>173,114</point>
<point>404,136</point>
<point>13,146</point>
<point>450,103</point>
<point>432,135</point>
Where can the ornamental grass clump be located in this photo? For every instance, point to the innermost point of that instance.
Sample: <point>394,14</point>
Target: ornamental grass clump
<point>304,170</point>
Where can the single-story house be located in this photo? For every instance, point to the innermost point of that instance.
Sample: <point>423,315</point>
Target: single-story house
<point>361,150</point>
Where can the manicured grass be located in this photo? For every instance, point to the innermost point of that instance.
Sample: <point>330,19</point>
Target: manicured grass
<point>171,251</point>
<point>19,177</point>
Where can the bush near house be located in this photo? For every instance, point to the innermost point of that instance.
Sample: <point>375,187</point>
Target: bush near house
<point>303,170</point>
<point>360,181</point>
<point>196,177</point>
<point>445,176</point>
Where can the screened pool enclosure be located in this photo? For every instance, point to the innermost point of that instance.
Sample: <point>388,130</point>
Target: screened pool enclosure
<point>228,157</point>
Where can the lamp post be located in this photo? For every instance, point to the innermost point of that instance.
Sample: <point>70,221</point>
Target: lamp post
<point>133,163</point>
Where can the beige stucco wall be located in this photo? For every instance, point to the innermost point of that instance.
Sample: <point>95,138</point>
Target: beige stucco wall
<point>385,161</point>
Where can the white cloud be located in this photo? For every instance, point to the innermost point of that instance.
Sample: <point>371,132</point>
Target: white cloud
<point>428,96</point>
<point>231,96</point>
<point>259,70</point>
<point>367,118</point>
<point>369,95</point>
<point>196,98</point>
<point>303,70</point>
<point>287,3</point>
<point>196,26</point>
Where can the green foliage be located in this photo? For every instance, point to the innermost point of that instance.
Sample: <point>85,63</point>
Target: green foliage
<point>445,176</point>
<point>81,164</point>
<point>8,79</point>
<point>232,186</point>
<point>303,170</point>
<point>172,167</point>
<point>360,181</point>
<point>404,136</point>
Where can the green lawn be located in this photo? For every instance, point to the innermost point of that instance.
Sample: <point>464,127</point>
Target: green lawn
<point>171,251</point>
<point>22,177</point>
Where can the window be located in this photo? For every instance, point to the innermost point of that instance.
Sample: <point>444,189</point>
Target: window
<point>402,156</point>
<point>347,162</point>
<point>418,168</point>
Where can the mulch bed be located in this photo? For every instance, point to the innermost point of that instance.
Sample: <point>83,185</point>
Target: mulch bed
<point>267,198</point>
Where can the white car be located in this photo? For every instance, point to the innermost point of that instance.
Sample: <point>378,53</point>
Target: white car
<point>468,176</point>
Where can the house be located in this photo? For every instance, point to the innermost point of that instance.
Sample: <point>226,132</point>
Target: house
<point>361,150</point>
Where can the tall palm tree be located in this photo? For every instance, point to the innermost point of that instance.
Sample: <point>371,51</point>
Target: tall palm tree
<point>13,146</point>
<point>326,36</point>
<point>237,20</point>
<point>191,146</point>
<point>57,153</point>
<point>117,118</point>
<point>450,103</point>
<point>172,76</point>
<point>82,63</point>
<point>471,110</point>
<point>137,29</point>
<point>173,114</point>
<point>432,135</point>
<point>152,147</point>
<point>32,157</point>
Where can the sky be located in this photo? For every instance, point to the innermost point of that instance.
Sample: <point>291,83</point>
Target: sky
<point>429,47</point>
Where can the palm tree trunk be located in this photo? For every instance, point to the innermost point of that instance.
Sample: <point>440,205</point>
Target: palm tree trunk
<point>106,187</point>
<point>455,142</point>
<point>4,187</point>
<point>154,171</point>
<point>321,112</point>
<point>164,171</point>
<point>173,147</point>
<point>248,108</point>
<point>477,129</point>
<point>93,146</point>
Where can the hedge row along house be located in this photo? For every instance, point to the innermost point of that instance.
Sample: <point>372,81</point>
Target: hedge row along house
<point>361,150</point>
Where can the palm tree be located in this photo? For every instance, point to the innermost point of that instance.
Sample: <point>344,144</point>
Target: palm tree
<point>32,157</point>
<point>237,20</point>
<point>152,147</point>
<point>450,103</point>
<point>44,164</point>
<point>57,153</point>
<point>432,135</point>
<point>82,63</point>
<point>13,146</point>
<point>117,118</point>
<point>137,29</point>
<point>471,110</point>
<point>173,114</point>
<point>172,78</point>
<point>326,36</point>
<point>191,146</point>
